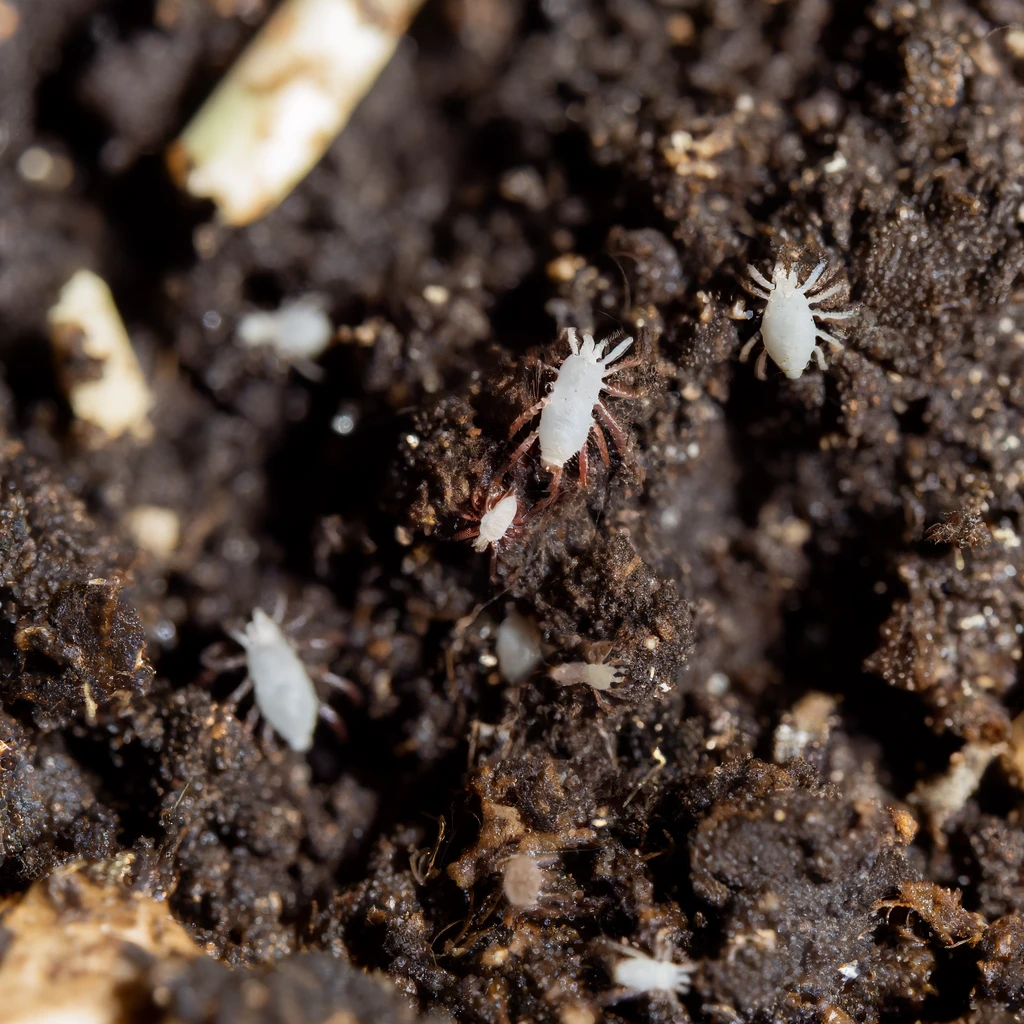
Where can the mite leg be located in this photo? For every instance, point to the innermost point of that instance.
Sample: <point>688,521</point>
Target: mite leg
<point>266,733</point>
<point>554,486</point>
<point>215,662</point>
<point>343,685</point>
<point>602,444</point>
<point>535,361</point>
<point>759,366</point>
<point>812,278</point>
<point>620,392</point>
<point>334,720</point>
<point>518,453</point>
<point>826,293</point>
<point>749,347</point>
<point>626,364</point>
<point>583,465</point>
<point>819,357</point>
<point>528,415</point>
<point>618,434</point>
<point>239,693</point>
<point>760,279</point>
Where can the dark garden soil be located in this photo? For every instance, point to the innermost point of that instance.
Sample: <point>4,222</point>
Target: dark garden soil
<point>799,656</point>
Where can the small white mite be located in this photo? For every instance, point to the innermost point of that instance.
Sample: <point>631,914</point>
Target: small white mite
<point>299,329</point>
<point>567,410</point>
<point>498,520</point>
<point>284,692</point>
<point>641,974</point>
<point>495,521</point>
<point>599,677</point>
<point>788,329</point>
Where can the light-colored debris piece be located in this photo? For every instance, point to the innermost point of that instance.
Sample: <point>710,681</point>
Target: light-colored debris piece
<point>523,881</point>
<point>101,376</point>
<point>69,958</point>
<point>154,529</point>
<point>518,648</point>
<point>805,727</point>
<point>943,796</point>
<point>299,330</point>
<point>278,109</point>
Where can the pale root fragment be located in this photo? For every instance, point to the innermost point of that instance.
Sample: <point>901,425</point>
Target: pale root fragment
<point>281,105</point>
<point>101,376</point>
<point>77,945</point>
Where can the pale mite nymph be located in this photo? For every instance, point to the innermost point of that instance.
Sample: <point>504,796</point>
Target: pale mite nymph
<point>284,692</point>
<point>282,684</point>
<point>496,523</point>
<point>640,974</point>
<point>788,327</point>
<point>567,411</point>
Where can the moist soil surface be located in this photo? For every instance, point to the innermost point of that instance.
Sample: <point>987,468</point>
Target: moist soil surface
<point>765,727</point>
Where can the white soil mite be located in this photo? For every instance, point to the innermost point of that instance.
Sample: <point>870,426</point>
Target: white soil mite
<point>788,328</point>
<point>495,522</point>
<point>567,411</point>
<point>600,677</point>
<point>284,692</point>
<point>640,974</point>
<point>299,329</point>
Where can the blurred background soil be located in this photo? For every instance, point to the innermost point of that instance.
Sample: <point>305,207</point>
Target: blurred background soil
<point>806,779</point>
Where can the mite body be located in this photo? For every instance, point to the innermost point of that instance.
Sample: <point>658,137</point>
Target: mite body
<point>284,687</point>
<point>640,974</point>
<point>496,521</point>
<point>788,328</point>
<point>285,694</point>
<point>568,410</point>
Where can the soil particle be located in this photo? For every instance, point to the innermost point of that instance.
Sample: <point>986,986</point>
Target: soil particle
<point>49,812</point>
<point>307,988</point>
<point>779,822</point>
<point>248,845</point>
<point>1001,951</point>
